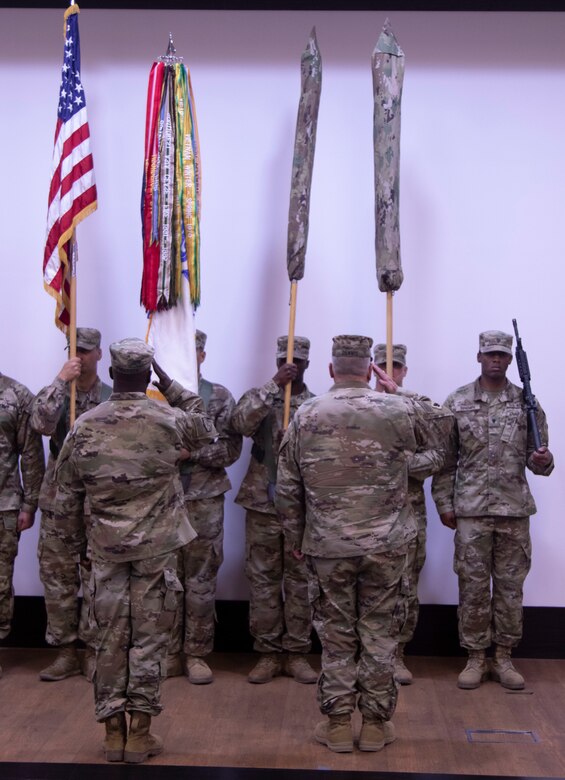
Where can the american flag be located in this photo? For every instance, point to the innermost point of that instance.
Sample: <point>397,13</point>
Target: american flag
<point>72,193</point>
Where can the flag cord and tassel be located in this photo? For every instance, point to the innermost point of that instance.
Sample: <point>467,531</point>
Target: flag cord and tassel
<point>290,351</point>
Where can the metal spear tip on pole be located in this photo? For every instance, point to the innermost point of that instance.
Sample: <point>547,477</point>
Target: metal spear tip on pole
<point>387,43</point>
<point>170,57</point>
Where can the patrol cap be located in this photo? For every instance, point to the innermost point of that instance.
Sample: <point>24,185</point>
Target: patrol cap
<point>301,347</point>
<point>495,341</point>
<point>398,354</point>
<point>352,346</point>
<point>88,338</point>
<point>131,356</point>
<point>200,338</point>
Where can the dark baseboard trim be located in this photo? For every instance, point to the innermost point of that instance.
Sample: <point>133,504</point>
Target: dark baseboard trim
<point>14,771</point>
<point>436,634</point>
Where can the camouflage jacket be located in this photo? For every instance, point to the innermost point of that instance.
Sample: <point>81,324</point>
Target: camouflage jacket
<point>20,449</point>
<point>123,457</point>
<point>425,463</point>
<point>342,487</point>
<point>489,451</point>
<point>50,417</point>
<point>259,413</point>
<point>204,474</point>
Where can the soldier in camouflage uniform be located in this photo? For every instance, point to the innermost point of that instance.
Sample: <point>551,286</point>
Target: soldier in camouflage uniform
<point>21,451</point>
<point>426,462</point>
<point>280,616</point>
<point>205,482</point>
<point>123,457</point>
<point>342,495</point>
<point>483,494</point>
<point>61,572</point>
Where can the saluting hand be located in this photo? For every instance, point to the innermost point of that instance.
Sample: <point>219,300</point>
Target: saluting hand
<point>164,381</point>
<point>384,380</point>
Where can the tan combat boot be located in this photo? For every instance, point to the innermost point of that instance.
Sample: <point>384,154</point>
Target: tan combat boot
<point>141,744</point>
<point>89,664</point>
<point>402,675</point>
<point>335,733</point>
<point>197,670</point>
<point>116,734</point>
<point>375,734</point>
<point>298,667</point>
<point>503,671</point>
<point>66,664</point>
<point>475,672</point>
<point>268,666</point>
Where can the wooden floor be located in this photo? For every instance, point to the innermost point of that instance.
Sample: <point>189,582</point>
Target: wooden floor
<point>441,729</point>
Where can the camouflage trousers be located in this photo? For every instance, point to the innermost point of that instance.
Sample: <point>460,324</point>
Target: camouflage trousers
<point>496,549</point>
<point>357,614</point>
<point>8,552</point>
<point>415,559</point>
<point>133,604</point>
<point>199,562</point>
<point>280,615</point>
<point>62,573</point>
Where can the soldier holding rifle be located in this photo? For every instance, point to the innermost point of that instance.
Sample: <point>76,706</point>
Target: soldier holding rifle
<point>482,494</point>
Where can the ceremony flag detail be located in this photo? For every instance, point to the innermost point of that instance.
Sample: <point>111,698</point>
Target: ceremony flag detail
<point>170,218</point>
<point>170,204</point>
<point>72,192</point>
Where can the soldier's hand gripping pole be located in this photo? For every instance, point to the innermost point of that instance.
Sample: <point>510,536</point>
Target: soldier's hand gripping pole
<point>529,398</point>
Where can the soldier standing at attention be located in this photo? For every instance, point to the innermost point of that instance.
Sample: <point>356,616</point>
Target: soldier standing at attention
<point>279,623</point>
<point>482,494</point>
<point>425,463</point>
<point>205,482</point>
<point>123,457</point>
<point>342,495</point>
<point>61,572</point>
<point>21,451</point>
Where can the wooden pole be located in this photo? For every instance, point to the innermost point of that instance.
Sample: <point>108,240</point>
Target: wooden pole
<point>73,327</point>
<point>389,333</point>
<point>290,351</point>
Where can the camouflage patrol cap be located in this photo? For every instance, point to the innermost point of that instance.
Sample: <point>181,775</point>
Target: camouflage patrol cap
<point>301,347</point>
<point>88,338</point>
<point>352,346</point>
<point>398,354</point>
<point>200,337</point>
<point>495,341</point>
<point>131,356</point>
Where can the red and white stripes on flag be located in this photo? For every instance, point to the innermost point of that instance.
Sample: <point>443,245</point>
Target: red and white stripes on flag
<point>72,193</point>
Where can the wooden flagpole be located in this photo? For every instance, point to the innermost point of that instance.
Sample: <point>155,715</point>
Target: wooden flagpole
<point>73,325</point>
<point>389,333</point>
<point>290,351</point>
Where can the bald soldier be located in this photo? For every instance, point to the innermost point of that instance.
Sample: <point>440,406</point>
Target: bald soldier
<point>342,495</point>
<point>482,494</point>
<point>123,457</point>
<point>426,463</point>
<point>280,616</point>
<point>61,572</point>
<point>22,465</point>
<point>205,482</point>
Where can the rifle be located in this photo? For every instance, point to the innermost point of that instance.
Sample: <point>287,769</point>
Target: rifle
<point>529,397</point>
